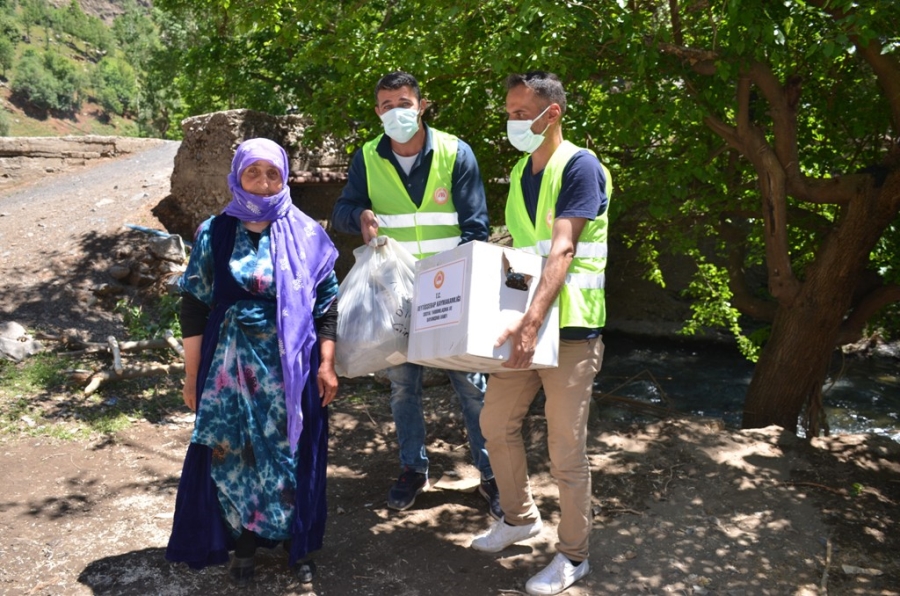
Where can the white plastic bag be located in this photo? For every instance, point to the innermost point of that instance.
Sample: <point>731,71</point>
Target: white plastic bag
<point>374,302</point>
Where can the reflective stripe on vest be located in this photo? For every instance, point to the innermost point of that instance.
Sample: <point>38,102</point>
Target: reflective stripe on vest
<point>582,299</point>
<point>432,227</point>
<point>587,250</point>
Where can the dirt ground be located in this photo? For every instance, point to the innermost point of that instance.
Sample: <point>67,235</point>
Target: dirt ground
<point>681,506</point>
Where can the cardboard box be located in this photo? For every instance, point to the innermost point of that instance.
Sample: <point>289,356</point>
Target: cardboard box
<point>462,303</point>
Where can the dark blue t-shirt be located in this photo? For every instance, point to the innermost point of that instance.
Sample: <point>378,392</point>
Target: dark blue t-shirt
<point>583,191</point>
<point>582,194</point>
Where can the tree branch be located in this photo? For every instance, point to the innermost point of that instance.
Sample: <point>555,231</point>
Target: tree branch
<point>852,327</point>
<point>676,22</point>
<point>783,100</point>
<point>887,71</point>
<point>783,285</point>
<point>885,66</point>
<point>131,372</point>
<point>743,106</point>
<point>742,298</point>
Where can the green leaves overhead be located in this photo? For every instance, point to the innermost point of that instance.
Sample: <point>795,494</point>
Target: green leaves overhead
<point>653,89</point>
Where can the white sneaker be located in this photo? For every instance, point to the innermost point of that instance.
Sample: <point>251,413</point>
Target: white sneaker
<point>557,576</point>
<point>501,534</point>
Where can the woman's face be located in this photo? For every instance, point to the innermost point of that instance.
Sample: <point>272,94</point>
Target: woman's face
<point>261,178</point>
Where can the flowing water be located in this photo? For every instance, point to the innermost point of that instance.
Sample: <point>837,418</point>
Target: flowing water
<point>861,395</point>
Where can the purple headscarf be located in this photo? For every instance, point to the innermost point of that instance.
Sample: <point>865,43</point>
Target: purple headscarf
<point>304,256</point>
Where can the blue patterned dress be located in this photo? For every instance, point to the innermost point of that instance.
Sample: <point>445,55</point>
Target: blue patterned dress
<point>241,415</point>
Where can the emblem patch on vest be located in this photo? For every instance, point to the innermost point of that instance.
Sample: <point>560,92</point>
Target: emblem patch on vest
<point>550,217</point>
<point>441,195</point>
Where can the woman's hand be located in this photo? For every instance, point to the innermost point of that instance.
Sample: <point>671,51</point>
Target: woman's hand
<point>192,346</point>
<point>189,393</point>
<point>328,383</point>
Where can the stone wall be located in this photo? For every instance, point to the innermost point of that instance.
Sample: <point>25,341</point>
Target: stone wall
<point>24,158</point>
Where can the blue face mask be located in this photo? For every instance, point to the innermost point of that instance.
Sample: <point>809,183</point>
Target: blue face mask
<point>401,124</point>
<point>520,136</point>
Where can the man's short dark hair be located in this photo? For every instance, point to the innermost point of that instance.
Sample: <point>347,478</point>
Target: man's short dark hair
<point>545,85</point>
<point>396,80</point>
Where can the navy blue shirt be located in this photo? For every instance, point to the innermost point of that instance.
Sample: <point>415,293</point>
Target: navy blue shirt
<point>467,189</point>
<point>582,194</point>
<point>583,190</point>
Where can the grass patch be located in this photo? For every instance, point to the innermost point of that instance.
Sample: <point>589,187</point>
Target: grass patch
<point>36,399</point>
<point>41,372</point>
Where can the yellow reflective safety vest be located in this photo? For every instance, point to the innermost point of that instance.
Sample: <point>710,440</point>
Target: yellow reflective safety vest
<point>582,300</point>
<point>432,227</point>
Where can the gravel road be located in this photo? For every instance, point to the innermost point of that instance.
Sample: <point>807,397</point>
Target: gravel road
<point>58,234</point>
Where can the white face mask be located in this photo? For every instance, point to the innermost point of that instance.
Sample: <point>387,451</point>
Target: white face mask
<point>520,136</point>
<point>401,124</point>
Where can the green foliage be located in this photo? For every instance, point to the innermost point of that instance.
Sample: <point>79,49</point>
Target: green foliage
<point>712,307</point>
<point>89,29</point>
<point>634,96</point>
<point>7,54</point>
<point>118,84</point>
<point>148,322</point>
<point>9,27</point>
<point>49,81</point>
<point>161,102</point>
<point>35,401</point>
<point>40,373</point>
<point>137,35</point>
<point>4,124</point>
<point>115,86</point>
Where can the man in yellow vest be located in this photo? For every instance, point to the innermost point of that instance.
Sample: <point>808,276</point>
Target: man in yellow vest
<point>557,207</point>
<point>423,188</point>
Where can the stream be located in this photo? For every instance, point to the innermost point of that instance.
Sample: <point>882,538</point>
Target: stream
<point>861,394</point>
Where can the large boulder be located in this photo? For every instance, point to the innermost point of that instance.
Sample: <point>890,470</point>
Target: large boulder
<point>199,178</point>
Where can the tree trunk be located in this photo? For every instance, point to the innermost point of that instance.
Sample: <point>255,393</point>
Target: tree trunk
<point>794,362</point>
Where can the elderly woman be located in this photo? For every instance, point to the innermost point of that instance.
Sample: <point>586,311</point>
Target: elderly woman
<point>258,318</point>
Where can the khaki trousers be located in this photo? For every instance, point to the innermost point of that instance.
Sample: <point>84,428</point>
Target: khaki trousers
<point>568,391</point>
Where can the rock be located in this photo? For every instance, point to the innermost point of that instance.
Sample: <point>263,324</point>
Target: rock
<point>108,290</point>
<point>15,342</point>
<point>168,248</point>
<point>200,176</point>
<point>141,279</point>
<point>119,272</point>
<point>199,186</point>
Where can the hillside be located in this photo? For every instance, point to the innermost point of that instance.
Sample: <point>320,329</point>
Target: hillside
<point>23,120</point>
<point>106,10</point>
<point>90,120</point>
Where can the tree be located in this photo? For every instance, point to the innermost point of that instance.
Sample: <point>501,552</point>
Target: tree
<point>7,54</point>
<point>115,85</point>
<point>746,134</point>
<point>48,81</point>
<point>136,34</point>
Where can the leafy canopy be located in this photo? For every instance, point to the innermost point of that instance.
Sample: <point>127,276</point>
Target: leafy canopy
<point>649,83</point>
